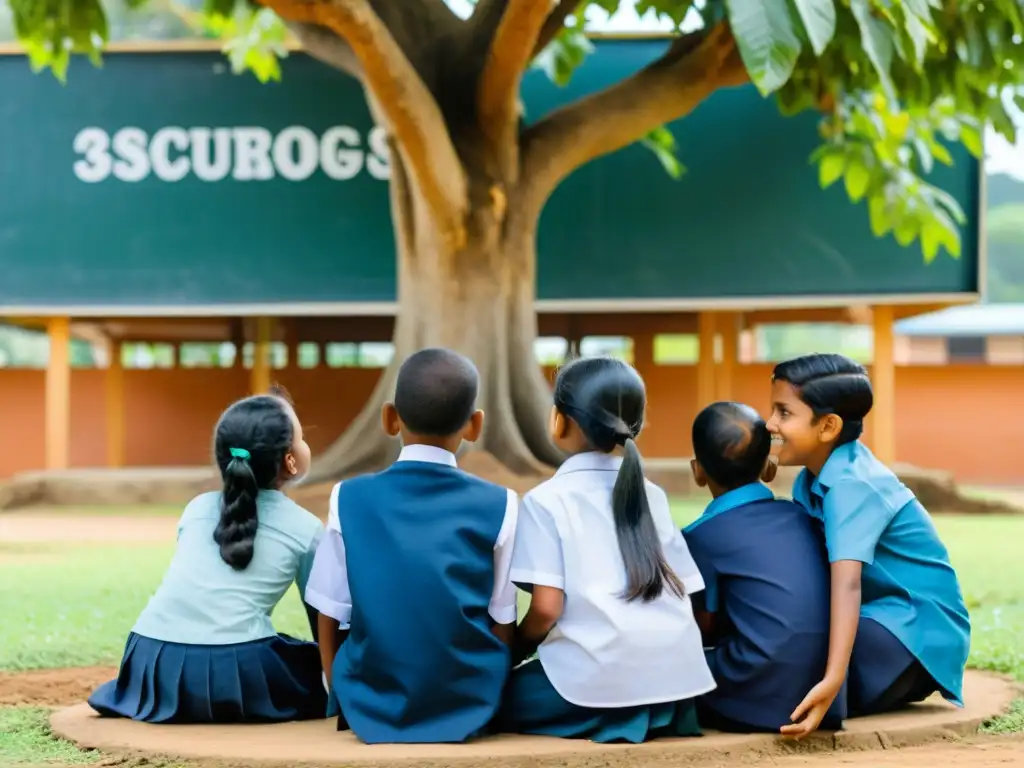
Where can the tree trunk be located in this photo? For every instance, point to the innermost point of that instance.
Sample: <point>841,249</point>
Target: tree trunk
<point>477,300</point>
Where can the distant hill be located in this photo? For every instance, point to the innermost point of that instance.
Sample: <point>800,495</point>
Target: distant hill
<point>1004,222</point>
<point>1002,189</point>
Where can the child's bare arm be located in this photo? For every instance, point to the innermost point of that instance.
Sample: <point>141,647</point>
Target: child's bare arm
<point>328,635</point>
<point>706,622</point>
<point>504,632</point>
<point>545,609</point>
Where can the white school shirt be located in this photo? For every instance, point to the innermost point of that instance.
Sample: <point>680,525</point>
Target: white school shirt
<point>604,652</point>
<point>327,589</point>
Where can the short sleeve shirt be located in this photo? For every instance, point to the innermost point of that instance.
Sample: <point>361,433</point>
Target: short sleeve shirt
<point>204,601</point>
<point>907,583</point>
<point>603,651</point>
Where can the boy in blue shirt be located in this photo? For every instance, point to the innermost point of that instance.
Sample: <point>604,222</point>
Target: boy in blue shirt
<point>765,608</point>
<point>415,567</point>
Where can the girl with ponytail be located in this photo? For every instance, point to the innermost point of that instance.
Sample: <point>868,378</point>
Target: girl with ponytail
<point>204,649</point>
<point>899,628</point>
<point>619,652</point>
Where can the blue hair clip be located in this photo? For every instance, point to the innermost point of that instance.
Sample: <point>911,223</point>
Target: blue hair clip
<point>240,453</point>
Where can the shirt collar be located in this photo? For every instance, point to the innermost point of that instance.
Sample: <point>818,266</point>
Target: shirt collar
<point>809,490</point>
<point>737,497</point>
<point>428,454</point>
<point>591,461</point>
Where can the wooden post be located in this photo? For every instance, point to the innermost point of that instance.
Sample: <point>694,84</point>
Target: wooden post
<point>114,391</point>
<point>58,394</point>
<point>729,328</point>
<point>259,381</point>
<point>643,352</point>
<point>706,359</point>
<point>883,375</point>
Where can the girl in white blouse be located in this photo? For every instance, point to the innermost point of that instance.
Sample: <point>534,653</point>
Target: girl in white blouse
<point>620,656</point>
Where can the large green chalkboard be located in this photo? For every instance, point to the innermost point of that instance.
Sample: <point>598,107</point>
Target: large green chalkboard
<point>162,181</point>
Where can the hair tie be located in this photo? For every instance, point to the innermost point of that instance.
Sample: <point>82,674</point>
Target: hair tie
<point>240,453</point>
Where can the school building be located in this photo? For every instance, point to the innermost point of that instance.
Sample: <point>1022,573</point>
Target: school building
<point>209,234</point>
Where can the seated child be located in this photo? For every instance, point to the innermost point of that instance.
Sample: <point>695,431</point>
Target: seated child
<point>204,649</point>
<point>619,652</point>
<point>899,626</point>
<point>765,606</point>
<point>415,566</point>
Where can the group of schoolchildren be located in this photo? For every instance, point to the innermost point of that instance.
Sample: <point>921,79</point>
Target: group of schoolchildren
<point>763,615</point>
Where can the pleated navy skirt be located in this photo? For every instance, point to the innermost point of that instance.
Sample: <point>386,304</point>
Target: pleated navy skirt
<point>533,706</point>
<point>266,681</point>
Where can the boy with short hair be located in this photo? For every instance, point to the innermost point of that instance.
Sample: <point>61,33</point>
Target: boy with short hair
<point>415,566</point>
<point>765,608</point>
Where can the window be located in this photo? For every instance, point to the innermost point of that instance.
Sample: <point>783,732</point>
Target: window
<point>308,354</point>
<point>550,351</point>
<point>278,354</point>
<point>369,354</point>
<point>782,341</point>
<point>966,349</point>
<point>676,349</point>
<point>610,346</point>
<point>142,355</point>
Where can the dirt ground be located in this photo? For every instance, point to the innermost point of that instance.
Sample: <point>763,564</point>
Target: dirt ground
<point>51,687</point>
<point>32,527</point>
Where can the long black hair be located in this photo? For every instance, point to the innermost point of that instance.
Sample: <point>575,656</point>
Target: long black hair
<point>606,398</point>
<point>831,383</point>
<point>250,443</point>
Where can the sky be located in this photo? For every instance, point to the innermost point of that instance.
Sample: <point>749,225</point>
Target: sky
<point>1001,156</point>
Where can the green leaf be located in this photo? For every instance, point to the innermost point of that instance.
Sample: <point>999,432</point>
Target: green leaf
<point>877,210</point>
<point>857,179</point>
<point>819,20</point>
<point>673,10</point>
<point>970,137</point>
<point>877,40</point>
<point>906,230</point>
<point>662,143</point>
<point>918,35</point>
<point>831,168</point>
<point>940,153</point>
<point>564,55</point>
<point>767,40</point>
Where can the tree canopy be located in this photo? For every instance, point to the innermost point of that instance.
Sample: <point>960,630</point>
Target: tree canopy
<point>894,80</point>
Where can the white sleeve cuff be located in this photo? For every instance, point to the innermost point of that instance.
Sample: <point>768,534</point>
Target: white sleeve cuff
<point>503,614</point>
<point>340,612</point>
<point>694,583</point>
<point>538,579</point>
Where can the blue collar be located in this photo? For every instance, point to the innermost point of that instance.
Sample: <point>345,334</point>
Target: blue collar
<point>737,497</point>
<point>809,491</point>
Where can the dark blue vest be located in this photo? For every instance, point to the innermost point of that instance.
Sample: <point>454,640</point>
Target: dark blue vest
<point>421,663</point>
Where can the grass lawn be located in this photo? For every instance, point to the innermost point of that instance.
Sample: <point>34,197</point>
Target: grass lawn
<point>70,605</point>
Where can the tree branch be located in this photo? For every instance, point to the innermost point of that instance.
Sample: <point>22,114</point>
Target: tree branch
<point>498,89</point>
<point>405,103</point>
<point>555,24</point>
<point>325,46</point>
<point>693,68</point>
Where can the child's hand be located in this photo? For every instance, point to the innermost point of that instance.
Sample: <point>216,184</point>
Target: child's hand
<point>809,714</point>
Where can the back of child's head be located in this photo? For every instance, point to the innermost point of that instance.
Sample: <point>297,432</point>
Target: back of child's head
<point>250,443</point>
<point>731,443</point>
<point>606,398</point>
<point>831,384</point>
<point>435,395</point>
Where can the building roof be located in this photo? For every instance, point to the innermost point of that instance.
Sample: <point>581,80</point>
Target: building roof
<point>968,320</point>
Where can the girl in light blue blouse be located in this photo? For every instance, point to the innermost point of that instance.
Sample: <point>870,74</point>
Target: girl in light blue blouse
<point>899,628</point>
<point>204,649</point>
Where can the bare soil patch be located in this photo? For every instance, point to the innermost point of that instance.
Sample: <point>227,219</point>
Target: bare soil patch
<point>36,527</point>
<point>51,687</point>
